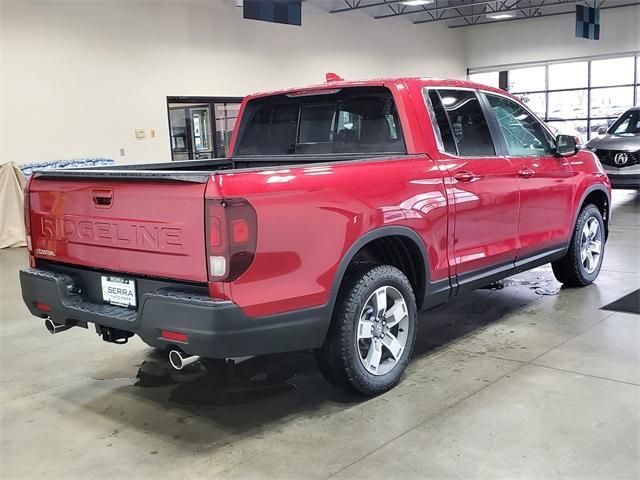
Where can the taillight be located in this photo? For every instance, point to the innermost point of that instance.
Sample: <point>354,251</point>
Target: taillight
<point>231,238</point>
<point>27,222</point>
<point>27,215</point>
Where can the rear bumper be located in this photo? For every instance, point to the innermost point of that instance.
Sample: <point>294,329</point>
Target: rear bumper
<point>215,328</point>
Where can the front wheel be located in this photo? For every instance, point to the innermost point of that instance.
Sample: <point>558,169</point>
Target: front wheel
<point>372,332</point>
<point>581,265</point>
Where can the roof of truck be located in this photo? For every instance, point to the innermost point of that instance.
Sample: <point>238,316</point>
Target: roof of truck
<point>408,81</point>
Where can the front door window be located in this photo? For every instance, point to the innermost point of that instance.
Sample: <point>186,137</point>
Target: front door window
<point>523,133</point>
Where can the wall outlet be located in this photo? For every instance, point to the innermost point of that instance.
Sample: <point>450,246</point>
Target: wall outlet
<point>153,133</point>
<point>122,154</point>
<point>140,133</point>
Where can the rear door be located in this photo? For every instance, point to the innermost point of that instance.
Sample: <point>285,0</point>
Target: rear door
<point>153,228</point>
<point>482,186</point>
<point>545,181</point>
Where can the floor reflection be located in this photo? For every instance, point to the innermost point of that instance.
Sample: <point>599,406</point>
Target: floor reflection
<point>226,382</point>
<point>218,383</point>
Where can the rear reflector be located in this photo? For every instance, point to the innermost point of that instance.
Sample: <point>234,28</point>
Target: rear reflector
<point>176,336</point>
<point>45,307</point>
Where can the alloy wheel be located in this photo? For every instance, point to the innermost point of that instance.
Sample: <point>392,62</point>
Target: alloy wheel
<point>591,245</point>
<point>383,330</point>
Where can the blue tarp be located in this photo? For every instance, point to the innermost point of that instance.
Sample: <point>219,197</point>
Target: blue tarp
<point>28,168</point>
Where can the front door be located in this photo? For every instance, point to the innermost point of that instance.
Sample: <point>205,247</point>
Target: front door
<point>545,181</point>
<point>482,186</point>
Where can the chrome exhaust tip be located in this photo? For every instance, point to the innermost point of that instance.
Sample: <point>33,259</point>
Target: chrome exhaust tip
<point>53,327</point>
<point>179,360</point>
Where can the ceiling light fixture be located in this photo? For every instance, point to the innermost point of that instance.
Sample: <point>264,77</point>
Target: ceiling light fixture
<point>415,3</point>
<point>498,16</point>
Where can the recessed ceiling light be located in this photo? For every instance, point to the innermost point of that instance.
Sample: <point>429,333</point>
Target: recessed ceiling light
<point>415,3</point>
<point>498,16</point>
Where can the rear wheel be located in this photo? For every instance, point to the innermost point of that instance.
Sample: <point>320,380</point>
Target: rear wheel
<point>373,330</point>
<point>581,265</point>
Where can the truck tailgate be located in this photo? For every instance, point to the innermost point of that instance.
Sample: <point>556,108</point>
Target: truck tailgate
<point>152,227</point>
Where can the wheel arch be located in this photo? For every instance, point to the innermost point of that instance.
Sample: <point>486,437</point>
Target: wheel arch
<point>398,245</point>
<point>599,196</point>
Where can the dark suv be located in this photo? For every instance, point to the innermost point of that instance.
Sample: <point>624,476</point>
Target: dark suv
<point>619,150</point>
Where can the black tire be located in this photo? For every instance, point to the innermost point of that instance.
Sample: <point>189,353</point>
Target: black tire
<point>569,270</point>
<point>324,361</point>
<point>339,358</point>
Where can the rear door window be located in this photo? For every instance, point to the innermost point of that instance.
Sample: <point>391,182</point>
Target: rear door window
<point>468,124</point>
<point>441,125</point>
<point>352,120</point>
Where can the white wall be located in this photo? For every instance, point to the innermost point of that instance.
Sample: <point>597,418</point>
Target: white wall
<point>551,38</point>
<point>77,78</point>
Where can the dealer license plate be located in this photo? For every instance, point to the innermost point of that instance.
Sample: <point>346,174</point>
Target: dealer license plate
<point>119,291</point>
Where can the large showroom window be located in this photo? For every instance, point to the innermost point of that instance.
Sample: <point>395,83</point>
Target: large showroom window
<point>577,97</point>
<point>201,127</point>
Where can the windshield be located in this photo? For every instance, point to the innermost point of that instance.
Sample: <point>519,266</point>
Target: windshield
<point>350,120</point>
<point>628,123</point>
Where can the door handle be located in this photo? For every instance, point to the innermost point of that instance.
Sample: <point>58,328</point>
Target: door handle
<point>526,172</point>
<point>464,176</point>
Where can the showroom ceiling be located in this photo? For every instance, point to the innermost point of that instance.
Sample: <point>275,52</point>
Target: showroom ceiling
<point>466,13</point>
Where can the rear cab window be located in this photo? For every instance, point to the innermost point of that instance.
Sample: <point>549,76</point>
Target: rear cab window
<point>348,120</point>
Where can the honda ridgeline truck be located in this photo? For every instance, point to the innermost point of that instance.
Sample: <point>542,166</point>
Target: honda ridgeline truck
<point>342,211</point>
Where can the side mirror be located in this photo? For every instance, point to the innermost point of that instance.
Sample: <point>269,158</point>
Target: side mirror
<point>602,130</point>
<point>566,146</point>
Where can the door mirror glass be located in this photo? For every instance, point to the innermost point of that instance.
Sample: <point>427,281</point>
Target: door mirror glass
<point>602,130</point>
<point>566,145</point>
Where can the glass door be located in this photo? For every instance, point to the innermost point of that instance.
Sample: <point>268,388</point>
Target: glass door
<point>178,133</point>
<point>200,118</point>
<point>226,116</point>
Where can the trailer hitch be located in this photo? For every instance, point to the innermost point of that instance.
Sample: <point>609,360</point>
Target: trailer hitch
<point>114,335</point>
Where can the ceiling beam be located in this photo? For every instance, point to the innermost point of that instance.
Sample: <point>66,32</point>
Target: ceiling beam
<point>351,6</point>
<point>426,9</point>
<point>554,14</point>
<point>505,10</point>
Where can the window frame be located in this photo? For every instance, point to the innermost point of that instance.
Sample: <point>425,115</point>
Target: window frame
<point>173,103</point>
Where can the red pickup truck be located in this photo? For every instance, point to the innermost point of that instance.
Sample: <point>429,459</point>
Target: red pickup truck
<point>343,210</point>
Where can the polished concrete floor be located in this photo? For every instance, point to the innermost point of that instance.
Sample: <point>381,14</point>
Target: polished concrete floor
<point>528,381</point>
